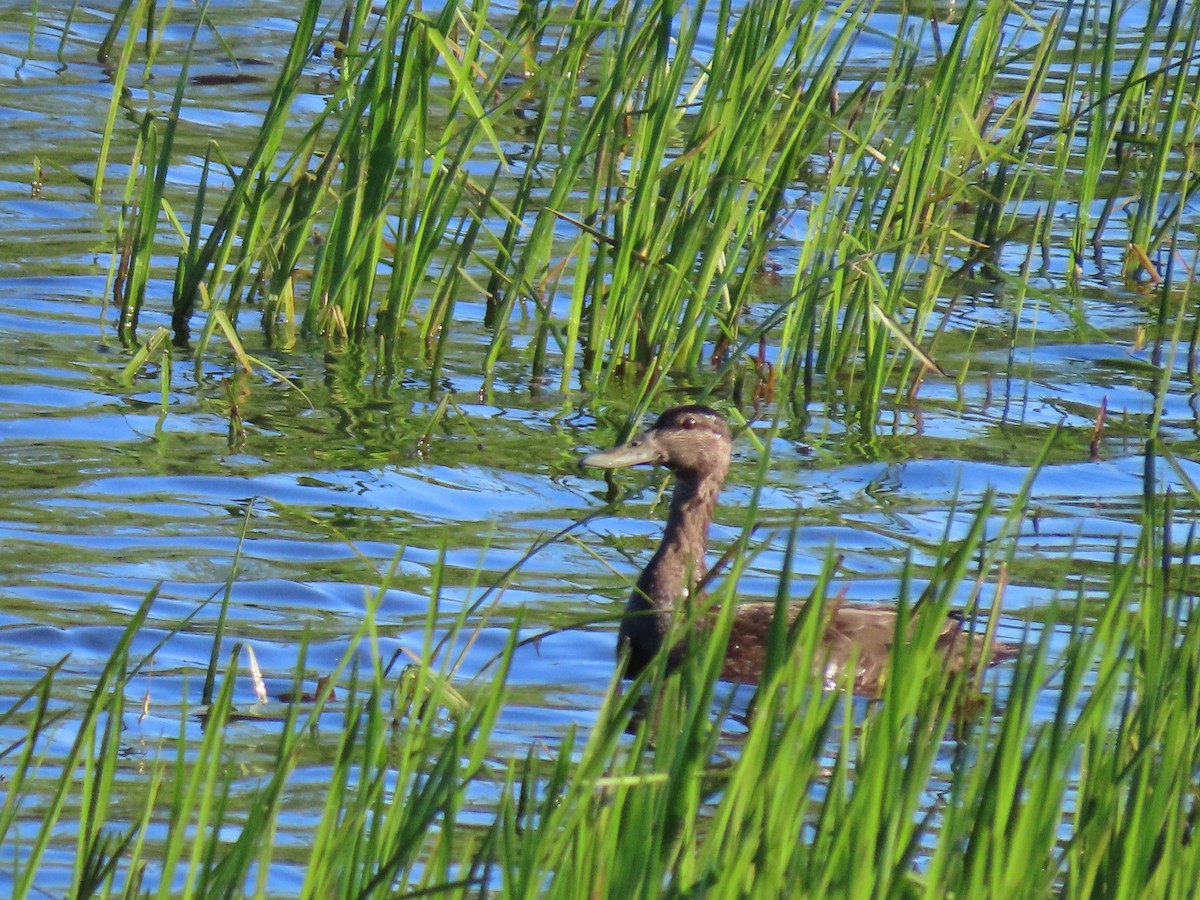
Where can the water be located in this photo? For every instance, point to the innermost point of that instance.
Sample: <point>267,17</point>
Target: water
<point>103,497</point>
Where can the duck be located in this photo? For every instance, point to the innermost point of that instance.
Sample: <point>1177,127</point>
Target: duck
<point>695,443</point>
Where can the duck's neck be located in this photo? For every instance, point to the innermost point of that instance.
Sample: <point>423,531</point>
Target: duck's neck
<point>678,566</point>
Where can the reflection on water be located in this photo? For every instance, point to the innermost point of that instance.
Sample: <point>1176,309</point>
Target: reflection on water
<point>102,498</point>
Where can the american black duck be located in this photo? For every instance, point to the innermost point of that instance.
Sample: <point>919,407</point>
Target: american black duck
<point>695,443</point>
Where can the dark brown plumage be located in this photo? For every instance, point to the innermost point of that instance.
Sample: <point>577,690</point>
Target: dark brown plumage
<point>695,443</point>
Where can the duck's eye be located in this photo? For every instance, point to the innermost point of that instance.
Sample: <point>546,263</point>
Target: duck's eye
<point>688,423</point>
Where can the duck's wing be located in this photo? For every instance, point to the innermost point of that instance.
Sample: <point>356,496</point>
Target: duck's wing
<point>749,637</point>
<point>869,631</point>
<point>856,635</point>
<point>853,633</point>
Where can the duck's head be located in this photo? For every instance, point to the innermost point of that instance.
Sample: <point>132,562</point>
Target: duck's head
<point>694,442</point>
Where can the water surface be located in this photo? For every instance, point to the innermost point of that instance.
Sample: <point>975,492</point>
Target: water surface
<point>104,498</point>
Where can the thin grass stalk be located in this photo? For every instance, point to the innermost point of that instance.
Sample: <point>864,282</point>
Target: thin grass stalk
<point>133,863</point>
<point>39,694</point>
<point>792,130</point>
<point>137,238</point>
<point>923,168</point>
<point>1180,46</point>
<point>552,86</point>
<point>680,168</point>
<point>1147,112</point>
<point>783,747</point>
<point>193,803</point>
<point>95,852</point>
<point>135,14</point>
<point>568,818</point>
<point>107,681</point>
<point>210,674</point>
<point>129,279</point>
<point>736,203</point>
<point>438,325</point>
<point>598,141</point>
<point>393,107</point>
<point>908,203</point>
<point>1121,830</point>
<point>560,831</point>
<point>226,229</point>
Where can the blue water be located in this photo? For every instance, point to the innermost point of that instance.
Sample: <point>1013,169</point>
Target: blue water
<point>104,497</point>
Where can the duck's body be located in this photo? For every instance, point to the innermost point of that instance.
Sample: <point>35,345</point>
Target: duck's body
<point>695,443</point>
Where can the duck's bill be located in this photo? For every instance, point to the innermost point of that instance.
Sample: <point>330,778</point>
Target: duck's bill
<point>642,449</point>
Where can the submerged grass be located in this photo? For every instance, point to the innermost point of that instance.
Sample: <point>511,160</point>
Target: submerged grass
<point>1072,775</point>
<point>665,149</point>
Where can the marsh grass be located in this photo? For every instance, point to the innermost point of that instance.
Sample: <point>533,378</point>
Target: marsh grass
<point>1071,774</point>
<point>653,179</point>
<point>664,150</point>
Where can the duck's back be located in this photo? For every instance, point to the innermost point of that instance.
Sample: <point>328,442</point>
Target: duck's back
<point>861,634</point>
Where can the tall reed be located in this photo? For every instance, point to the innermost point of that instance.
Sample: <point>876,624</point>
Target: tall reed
<point>666,149</point>
<point>1072,774</point>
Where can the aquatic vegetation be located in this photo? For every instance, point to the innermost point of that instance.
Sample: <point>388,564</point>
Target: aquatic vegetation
<point>621,200</point>
<point>625,175</point>
<point>394,768</point>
